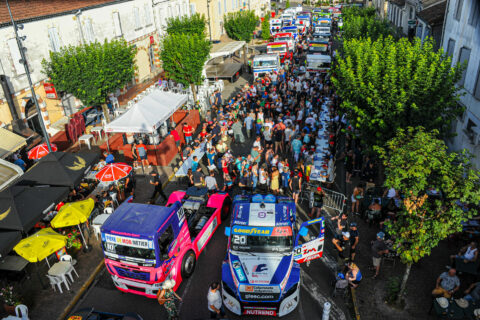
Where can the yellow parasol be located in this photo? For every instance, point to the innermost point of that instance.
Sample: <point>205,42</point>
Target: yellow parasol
<point>74,213</point>
<point>40,245</point>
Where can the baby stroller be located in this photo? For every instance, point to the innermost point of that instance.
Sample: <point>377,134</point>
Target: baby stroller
<point>340,285</point>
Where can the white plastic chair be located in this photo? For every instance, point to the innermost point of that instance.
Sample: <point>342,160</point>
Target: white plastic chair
<point>56,281</point>
<point>114,196</point>
<point>108,210</point>
<point>21,311</point>
<point>68,258</point>
<point>96,230</point>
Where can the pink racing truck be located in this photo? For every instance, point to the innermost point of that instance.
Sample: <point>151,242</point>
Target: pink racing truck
<point>144,244</point>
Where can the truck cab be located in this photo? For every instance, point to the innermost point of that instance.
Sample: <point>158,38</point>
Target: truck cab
<point>265,63</point>
<point>275,26</point>
<point>261,272</point>
<point>318,63</point>
<point>293,30</point>
<point>280,48</point>
<point>319,47</point>
<point>145,244</point>
<point>285,37</point>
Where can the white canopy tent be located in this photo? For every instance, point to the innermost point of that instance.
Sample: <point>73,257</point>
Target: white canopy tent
<point>147,115</point>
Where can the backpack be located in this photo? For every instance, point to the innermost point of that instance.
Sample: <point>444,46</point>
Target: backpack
<point>160,298</point>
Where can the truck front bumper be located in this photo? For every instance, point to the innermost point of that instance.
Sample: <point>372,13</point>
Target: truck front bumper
<point>145,289</point>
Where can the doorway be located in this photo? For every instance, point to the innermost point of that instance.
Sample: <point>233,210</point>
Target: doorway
<point>33,120</point>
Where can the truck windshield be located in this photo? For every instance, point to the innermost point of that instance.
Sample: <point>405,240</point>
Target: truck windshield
<point>279,244</point>
<point>283,39</point>
<point>276,49</point>
<point>135,254</point>
<point>276,23</point>
<point>264,63</point>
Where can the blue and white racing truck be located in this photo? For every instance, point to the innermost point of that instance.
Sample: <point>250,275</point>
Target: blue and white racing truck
<point>261,272</point>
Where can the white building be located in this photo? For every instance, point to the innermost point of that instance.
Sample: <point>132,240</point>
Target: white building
<point>49,25</point>
<point>461,40</point>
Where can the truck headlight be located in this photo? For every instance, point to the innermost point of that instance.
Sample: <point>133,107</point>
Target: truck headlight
<point>157,285</point>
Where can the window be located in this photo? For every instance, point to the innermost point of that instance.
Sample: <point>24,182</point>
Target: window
<point>410,14</point>
<point>233,4</point>
<point>464,56</point>
<point>54,40</point>
<point>89,34</point>
<point>458,10</point>
<point>219,8</point>
<point>136,14</point>
<point>16,57</point>
<point>451,47</point>
<point>473,18</point>
<point>476,91</point>
<point>224,6</point>
<point>170,12</point>
<point>178,13</point>
<point>185,9</point>
<point>192,8</point>
<point>148,15</point>
<point>117,25</point>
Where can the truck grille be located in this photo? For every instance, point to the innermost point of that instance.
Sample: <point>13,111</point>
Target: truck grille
<point>132,274</point>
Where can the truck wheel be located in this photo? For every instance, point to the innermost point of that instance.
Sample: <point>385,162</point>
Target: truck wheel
<point>227,203</point>
<point>188,264</point>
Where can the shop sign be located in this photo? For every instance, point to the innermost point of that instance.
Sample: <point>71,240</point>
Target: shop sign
<point>50,91</point>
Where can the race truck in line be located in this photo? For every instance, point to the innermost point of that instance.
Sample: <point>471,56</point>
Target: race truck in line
<point>261,272</point>
<point>282,49</point>
<point>319,47</point>
<point>275,26</point>
<point>285,37</point>
<point>265,63</point>
<point>318,63</point>
<point>145,244</point>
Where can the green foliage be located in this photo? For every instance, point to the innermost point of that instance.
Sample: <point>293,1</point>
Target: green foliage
<point>240,25</point>
<point>365,27</point>
<point>183,57</point>
<point>393,289</point>
<point>90,72</point>
<point>287,4</point>
<point>350,12</point>
<point>386,85</point>
<point>417,161</point>
<point>194,24</point>
<point>266,26</point>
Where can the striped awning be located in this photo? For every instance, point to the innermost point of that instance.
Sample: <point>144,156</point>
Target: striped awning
<point>10,142</point>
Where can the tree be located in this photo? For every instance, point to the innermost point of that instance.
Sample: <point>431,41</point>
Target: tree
<point>266,27</point>
<point>287,4</point>
<point>184,56</point>
<point>92,71</point>
<point>388,84</point>
<point>365,27</point>
<point>194,24</point>
<point>240,25</point>
<point>417,162</point>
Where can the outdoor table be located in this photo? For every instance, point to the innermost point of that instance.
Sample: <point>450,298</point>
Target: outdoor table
<point>13,263</point>
<point>453,311</point>
<point>100,219</point>
<point>187,164</point>
<point>60,270</point>
<point>97,132</point>
<point>86,139</point>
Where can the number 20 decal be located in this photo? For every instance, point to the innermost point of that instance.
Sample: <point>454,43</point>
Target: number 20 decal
<point>238,239</point>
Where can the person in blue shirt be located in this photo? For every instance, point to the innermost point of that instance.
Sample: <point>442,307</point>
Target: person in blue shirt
<point>296,148</point>
<point>109,158</point>
<point>354,276</point>
<point>285,179</point>
<point>194,164</point>
<point>248,125</point>
<point>19,162</point>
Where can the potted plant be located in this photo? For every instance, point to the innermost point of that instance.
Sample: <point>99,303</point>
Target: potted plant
<point>10,299</point>
<point>74,243</point>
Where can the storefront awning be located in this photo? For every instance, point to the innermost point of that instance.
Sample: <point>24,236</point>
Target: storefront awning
<point>10,142</point>
<point>225,49</point>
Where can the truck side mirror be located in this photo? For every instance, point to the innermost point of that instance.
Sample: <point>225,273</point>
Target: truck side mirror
<point>227,231</point>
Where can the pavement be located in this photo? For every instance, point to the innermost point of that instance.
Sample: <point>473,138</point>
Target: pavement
<point>317,277</point>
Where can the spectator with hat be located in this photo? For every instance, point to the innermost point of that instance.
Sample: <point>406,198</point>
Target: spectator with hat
<point>379,248</point>
<point>318,195</point>
<point>341,241</point>
<point>354,238</point>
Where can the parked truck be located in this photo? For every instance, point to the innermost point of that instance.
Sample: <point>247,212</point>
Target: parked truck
<point>144,244</point>
<point>261,272</point>
<point>282,49</point>
<point>265,63</point>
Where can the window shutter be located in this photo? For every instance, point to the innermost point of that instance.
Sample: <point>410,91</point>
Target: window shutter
<point>148,16</point>
<point>54,40</point>
<point>15,54</point>
<point>117,25</point>
<point>136,14</point>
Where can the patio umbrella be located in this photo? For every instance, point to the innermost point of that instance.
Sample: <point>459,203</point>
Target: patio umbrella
<point>113,172</point>
<point>74,213</point>
<point>40,245</point>
<point>40,151</point>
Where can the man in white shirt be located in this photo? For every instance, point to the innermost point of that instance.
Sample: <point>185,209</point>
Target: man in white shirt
<point>214,298</point>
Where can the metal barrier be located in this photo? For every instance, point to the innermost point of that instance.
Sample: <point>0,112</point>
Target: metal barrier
<point>332,199</point>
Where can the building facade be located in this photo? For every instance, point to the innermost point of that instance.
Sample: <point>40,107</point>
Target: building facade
<point>50,26</point>
<point>214,11</point>
<point>381,7</point>
<point>430,21</point>
<point>461,40</point>
<point>402,14</point>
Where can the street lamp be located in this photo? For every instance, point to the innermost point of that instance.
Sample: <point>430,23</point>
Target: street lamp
<point>27,71</point>
<point>209,22</point>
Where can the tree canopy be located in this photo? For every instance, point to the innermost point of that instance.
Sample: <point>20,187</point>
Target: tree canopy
<point>183,57</point>
<point>387,84</point>
<point>436,186</point>
<point>266,27</point>
<point>91,71</point>
<point>240,25</point>
<point>356,27</point>
<point>194,24</point>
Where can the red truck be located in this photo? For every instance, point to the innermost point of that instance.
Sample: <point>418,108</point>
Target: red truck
<point>282,49</point>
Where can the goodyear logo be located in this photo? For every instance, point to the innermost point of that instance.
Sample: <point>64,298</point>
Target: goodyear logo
<point>255,231</point>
